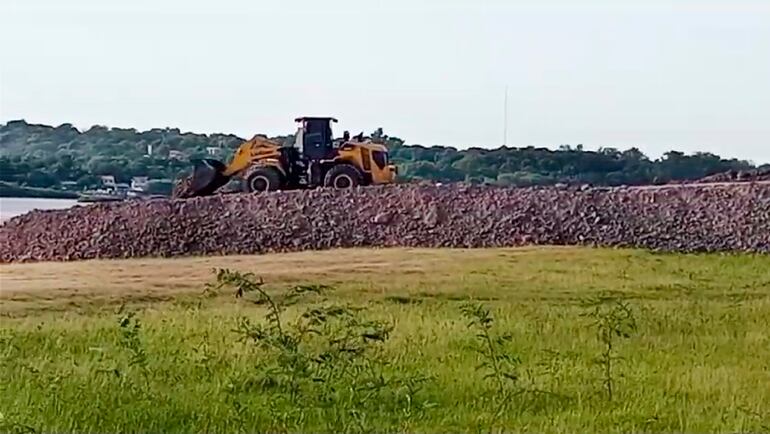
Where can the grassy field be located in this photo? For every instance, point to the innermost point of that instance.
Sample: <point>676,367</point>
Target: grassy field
<point>537,339</point>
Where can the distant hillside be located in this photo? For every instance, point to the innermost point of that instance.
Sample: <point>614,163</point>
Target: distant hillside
<point>44,156</point>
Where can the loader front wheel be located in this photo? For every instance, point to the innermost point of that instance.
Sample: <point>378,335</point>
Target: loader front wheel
<point>342,176</point>
<point>262,179</point>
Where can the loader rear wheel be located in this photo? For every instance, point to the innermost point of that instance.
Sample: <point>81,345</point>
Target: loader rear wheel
<point>262,179</point>
<point>342,176</point>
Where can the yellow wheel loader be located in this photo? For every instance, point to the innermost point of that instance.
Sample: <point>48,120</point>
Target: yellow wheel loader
<point>314,159</point>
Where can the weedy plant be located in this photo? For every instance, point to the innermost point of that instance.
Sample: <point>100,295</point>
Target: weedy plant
<point>130,328</point>
<point>325,363</point>
<point>499,366</point>
<point>613,319</point>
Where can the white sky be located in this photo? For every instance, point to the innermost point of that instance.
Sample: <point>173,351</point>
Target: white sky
<point>687,75</point>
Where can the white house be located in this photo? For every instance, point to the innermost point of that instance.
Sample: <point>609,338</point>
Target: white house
<point>213,150</point>
<point>174,154</point>
<point>108,181</point>
<point>139,183</point>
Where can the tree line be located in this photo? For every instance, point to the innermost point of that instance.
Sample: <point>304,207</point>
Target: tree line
<point>45,156</point>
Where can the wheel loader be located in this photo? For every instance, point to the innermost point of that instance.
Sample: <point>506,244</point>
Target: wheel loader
<point>314,159</point>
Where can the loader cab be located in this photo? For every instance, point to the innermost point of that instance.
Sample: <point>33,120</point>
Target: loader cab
<point>314,138</point>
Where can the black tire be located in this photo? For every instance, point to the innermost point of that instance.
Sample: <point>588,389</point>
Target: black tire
<point>262,179</point>
<point>342,176</point>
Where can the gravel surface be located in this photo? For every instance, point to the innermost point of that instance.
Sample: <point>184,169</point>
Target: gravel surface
<point>698,218</point>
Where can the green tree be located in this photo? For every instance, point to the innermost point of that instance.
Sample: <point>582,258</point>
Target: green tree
<point>39,178</point>
<point>46,155</point>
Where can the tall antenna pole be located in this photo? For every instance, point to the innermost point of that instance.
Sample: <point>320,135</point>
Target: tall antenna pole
<point>505,117</point>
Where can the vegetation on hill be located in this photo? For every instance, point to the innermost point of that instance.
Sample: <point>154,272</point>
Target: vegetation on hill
<point>44,156</point>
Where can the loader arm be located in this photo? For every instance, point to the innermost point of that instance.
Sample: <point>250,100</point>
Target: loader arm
<point>209,175</point>
<point>258,148</point>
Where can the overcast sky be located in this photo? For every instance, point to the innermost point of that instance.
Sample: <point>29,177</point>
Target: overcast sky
<point>679,74</point>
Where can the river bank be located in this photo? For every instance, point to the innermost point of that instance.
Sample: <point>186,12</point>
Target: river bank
<point>16,191</point>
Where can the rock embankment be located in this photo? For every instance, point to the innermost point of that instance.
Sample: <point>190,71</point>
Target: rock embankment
<point>683,219</point>
<point>738,176</point>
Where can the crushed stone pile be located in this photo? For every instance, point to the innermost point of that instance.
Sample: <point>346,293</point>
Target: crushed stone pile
<point>691,218</point>
<point>738,176</point>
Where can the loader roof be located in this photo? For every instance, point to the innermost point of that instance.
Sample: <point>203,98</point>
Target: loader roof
<point>314,118</point>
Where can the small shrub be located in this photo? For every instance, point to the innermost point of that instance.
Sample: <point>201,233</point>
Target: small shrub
<point>498,366</point>
<point>327,361</point>
<point>613,319</point>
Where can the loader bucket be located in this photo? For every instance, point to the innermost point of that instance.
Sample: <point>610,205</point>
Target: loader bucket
<point>207,177</point>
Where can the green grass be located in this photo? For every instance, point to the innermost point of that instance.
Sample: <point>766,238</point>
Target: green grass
<point>697,361</point>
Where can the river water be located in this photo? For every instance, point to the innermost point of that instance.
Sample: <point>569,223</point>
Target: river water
<point>13,206</point>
